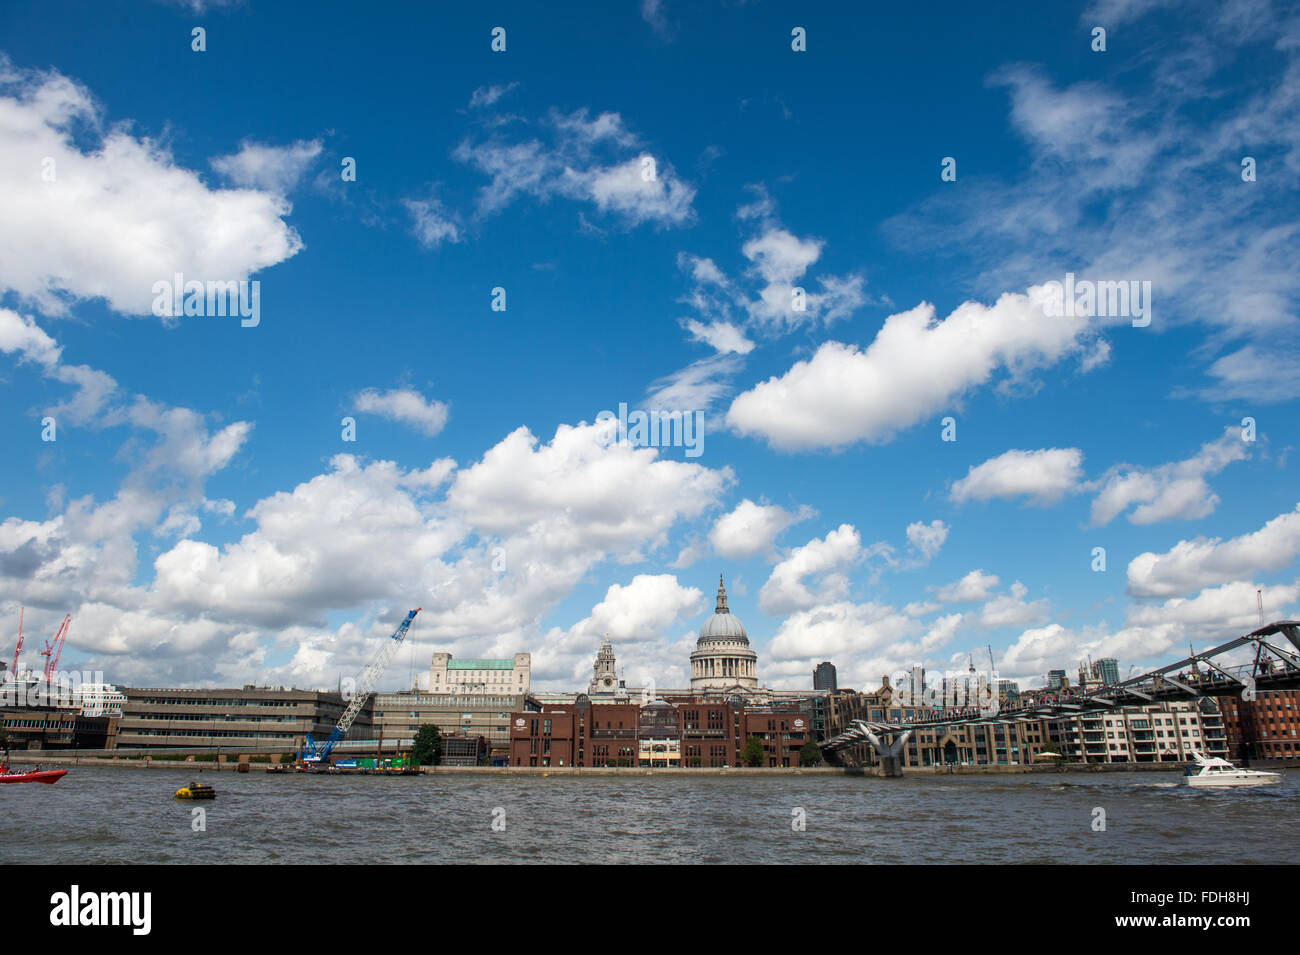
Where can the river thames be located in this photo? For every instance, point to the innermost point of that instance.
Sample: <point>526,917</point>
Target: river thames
<point>102,815</point>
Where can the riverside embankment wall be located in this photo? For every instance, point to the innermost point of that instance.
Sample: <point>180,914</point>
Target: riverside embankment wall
<point>52,759</point>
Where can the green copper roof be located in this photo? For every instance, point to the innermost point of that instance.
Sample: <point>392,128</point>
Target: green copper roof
<point>480,664</point>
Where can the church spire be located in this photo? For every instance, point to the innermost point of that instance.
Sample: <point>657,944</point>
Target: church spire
<point>722,598</point>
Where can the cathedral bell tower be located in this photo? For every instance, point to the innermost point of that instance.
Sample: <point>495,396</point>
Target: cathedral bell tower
<point>604,680</point>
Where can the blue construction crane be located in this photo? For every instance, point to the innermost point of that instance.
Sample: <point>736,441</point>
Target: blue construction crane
<point>314,753</point>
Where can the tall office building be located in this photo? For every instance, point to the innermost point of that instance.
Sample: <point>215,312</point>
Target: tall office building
<point>1107,670</point>
<point>824,676</point>
<point>1008,691</point>
<point>1103,672</point>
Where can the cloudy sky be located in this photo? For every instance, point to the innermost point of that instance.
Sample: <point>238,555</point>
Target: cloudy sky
<point>838,257</point>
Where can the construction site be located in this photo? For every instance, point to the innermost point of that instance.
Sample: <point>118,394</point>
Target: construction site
<point>80,716</point>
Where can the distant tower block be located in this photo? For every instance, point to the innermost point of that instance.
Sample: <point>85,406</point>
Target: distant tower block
<point>824,677</point>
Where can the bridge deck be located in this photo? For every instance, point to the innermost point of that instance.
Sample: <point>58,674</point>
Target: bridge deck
<point>1274,667</point>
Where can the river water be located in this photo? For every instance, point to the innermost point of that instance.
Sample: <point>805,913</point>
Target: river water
<point>101,815</point>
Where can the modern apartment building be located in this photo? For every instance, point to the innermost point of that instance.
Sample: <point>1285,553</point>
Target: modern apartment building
<point>33,717</point>
<point>39,714</point>
<point>1005,743</point>
<point>1008,692</point>
<point>463,750</point>
<point>1156,732</point>
<point>399,716</point>
<point>1267,727</point>
<point>270,719</point>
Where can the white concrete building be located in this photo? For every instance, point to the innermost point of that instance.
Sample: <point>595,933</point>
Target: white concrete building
<point>507,676</point>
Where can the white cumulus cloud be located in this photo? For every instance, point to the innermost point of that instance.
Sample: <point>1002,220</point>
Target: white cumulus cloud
<point>751,529</point>
<point>272,168</point>
<point>976,585</point>
<point>916,366</point>
<point>1171,491</point>
<point>827,559</point>
<point>1193,564</point>
<point>406,406</point>
<point>119,213</point>
<point>927,539</point>
<point>1043,477</point>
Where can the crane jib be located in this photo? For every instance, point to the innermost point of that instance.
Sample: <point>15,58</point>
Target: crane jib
<point>365,686</point>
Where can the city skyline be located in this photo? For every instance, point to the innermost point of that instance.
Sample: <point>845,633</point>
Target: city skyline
<point>906,422</point>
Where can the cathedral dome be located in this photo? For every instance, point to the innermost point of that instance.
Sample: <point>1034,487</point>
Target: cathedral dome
<point>722,661</point>
<point>723,625</point>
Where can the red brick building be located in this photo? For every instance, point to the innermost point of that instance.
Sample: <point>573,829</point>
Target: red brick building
<point>577,734</point>
<point>547,738</point>
<point>688,732</point>
<point>1267,727</point>
<point>611,734</point>
<point>710,732</point>
<point>783,732</point>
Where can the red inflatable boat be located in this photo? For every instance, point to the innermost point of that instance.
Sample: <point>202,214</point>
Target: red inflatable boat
<point>37,775</point>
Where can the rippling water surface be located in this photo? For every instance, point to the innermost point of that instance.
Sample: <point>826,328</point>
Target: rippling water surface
<point>99,815</point>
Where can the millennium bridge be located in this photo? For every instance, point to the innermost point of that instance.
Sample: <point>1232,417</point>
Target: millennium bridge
<point>1274,665</point>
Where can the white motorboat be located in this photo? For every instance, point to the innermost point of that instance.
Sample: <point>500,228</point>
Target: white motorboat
<point>1213,771</point>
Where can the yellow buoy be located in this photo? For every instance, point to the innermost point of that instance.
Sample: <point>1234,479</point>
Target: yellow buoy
<point>196,791</point>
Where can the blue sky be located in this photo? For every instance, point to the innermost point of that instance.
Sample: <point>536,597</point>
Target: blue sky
<point>201,516</point>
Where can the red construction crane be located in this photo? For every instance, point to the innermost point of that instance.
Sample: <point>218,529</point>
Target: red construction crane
<point>13,670</point>
<point>54,649</point>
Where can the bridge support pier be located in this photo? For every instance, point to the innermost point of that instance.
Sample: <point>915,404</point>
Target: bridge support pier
<point>890,753</point>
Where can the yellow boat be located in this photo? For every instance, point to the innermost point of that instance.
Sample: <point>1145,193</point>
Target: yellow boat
<point>196,791</point>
